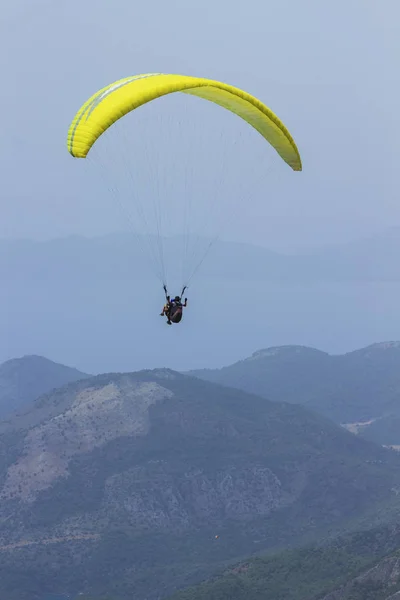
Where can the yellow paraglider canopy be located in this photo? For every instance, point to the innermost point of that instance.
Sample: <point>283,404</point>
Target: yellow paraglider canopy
<point>117,99</point>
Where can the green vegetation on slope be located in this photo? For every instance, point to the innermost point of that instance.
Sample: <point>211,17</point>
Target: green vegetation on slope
<point>309,573</point>
<point>205,461</point>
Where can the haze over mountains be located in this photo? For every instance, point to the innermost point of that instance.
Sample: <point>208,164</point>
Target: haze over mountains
<point>362,385</point>
<point>22,380</point>
<point>359,389</point>
<point>77,300</point>
<point>146,482</point>
<point>119,255</point>
<point>252,452</point>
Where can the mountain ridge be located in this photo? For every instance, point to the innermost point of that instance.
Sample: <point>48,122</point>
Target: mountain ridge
<point>23,379</point>
<point>366,259</point>
<point>152,468</point>
<point>359,385</point>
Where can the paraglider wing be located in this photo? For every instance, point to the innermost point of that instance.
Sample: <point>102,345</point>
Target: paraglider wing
<point>116,100</point>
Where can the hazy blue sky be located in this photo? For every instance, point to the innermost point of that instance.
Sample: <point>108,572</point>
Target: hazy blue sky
<point>329,70</point>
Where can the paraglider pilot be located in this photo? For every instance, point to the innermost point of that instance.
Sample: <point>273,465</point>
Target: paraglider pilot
<point>173,309</point>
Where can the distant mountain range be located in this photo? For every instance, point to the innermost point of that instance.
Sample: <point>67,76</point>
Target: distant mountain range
<point>119,255</point>
<point>139,484</point>
<point>363,385</point>
<point>360,389</point>
<point>22,380</point>
<point>64,297</point>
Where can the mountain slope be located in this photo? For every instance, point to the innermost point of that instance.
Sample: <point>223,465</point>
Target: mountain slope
<point>363,566</point>
<point>357,386</point>
<point>129,478</point>
<point>24,379</point>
